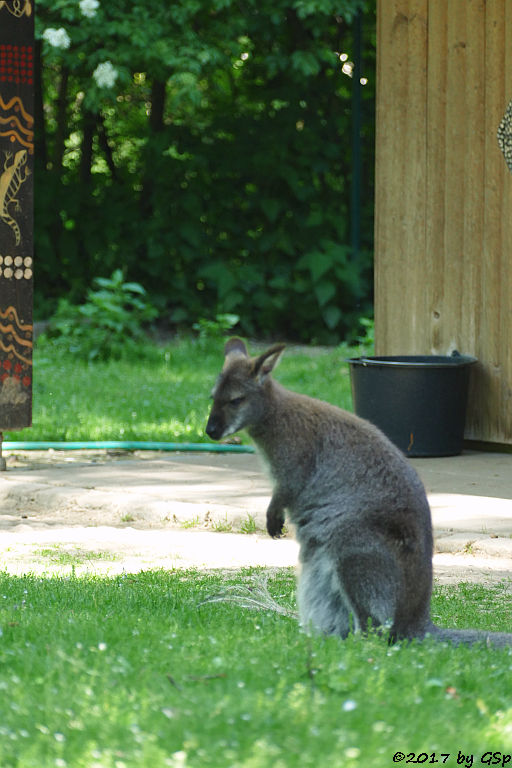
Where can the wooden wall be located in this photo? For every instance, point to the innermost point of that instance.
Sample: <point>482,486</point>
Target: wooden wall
<point>443,261</point>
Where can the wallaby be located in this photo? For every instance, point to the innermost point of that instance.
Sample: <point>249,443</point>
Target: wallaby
<point>360,511</point>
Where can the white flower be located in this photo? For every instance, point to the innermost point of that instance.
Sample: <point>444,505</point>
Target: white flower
<point>105,74</point>
<point>89,7</point>
<point>179,759</point>
<point>58,38</point>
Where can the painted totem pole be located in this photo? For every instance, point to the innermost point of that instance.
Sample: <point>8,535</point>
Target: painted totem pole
<point>16,210</point>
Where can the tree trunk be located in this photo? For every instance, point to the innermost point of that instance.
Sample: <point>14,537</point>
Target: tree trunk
<point>88,127</point>
<point>62,122</point>
<point>152,155</point>
<point>105,146</point>
<point>41,150</point>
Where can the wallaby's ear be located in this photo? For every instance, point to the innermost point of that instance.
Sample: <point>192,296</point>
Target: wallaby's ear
<point>265,363</point>
<point>235,346</point>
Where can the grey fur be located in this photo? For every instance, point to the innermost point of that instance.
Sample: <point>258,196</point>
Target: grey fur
<point>359,509</point>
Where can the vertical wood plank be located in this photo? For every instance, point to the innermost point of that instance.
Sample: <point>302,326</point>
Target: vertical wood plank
<point>505,411</point>
<point>455,159</point>
<point>470,321</point>
<point>400,161</point>
<point>389,168</point>
<point>483,419</point>
<point>435,214</point>
<point>414,180</point>
<point>382,129</point>
<point>473,119</point>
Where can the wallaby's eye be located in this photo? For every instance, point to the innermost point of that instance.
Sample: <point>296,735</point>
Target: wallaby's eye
<point>237,400</point>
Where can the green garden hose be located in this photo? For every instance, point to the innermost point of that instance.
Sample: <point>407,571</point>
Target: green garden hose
<point>125,445</point>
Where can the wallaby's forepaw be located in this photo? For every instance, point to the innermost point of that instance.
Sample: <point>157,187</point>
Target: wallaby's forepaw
<point>275,525</point>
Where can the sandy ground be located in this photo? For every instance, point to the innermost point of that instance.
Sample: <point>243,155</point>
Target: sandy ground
<point>54,519</point>
<point>104,550</point>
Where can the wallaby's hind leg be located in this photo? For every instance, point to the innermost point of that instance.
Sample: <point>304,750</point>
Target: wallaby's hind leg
<point>372,583</point>
<point>321,602</point>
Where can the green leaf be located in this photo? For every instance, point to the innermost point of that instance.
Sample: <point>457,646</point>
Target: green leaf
<point>332,316</point>
<point>271,208</point>
<point>317,262</point>
<point>324,292</point>
<point>134,288</point>
<point>306,63</point>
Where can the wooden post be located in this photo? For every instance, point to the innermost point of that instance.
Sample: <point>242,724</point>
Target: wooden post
<point>16,212</point>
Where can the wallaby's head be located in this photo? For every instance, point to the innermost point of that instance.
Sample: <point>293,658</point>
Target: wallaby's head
<point>241,392</point>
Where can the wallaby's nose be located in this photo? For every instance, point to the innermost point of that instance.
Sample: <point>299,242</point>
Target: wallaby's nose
<point>212,429</point>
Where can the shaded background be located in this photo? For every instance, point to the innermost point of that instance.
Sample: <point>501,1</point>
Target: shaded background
<point>211,159</point>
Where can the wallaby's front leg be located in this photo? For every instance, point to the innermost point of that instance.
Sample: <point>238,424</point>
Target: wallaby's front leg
<point>275,515</point>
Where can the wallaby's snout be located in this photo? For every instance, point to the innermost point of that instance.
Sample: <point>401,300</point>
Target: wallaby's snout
<point>214,428</point>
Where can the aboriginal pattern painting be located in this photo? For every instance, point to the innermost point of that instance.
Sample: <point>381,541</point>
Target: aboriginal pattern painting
<point>16,209</point>
<point>505,136</point>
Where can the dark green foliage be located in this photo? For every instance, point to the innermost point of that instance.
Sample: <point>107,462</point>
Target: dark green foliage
<point>216,169</point>
<point>213,331</point>
<point>108,325</point>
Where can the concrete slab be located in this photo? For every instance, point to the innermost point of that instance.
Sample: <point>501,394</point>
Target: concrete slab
<point>471,500</point>
<point>169,510</point>
<point>473,473</point>
<point>150,490</point>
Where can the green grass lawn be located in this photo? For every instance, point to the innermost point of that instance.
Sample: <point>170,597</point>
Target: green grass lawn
<point>133,672</point>
<point>162,394</point>
<point>137,671</point>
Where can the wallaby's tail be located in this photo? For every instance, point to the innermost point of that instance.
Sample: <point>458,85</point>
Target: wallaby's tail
<point>471,636</point>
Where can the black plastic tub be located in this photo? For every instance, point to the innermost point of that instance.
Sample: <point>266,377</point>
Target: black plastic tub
<point>419,402</point>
